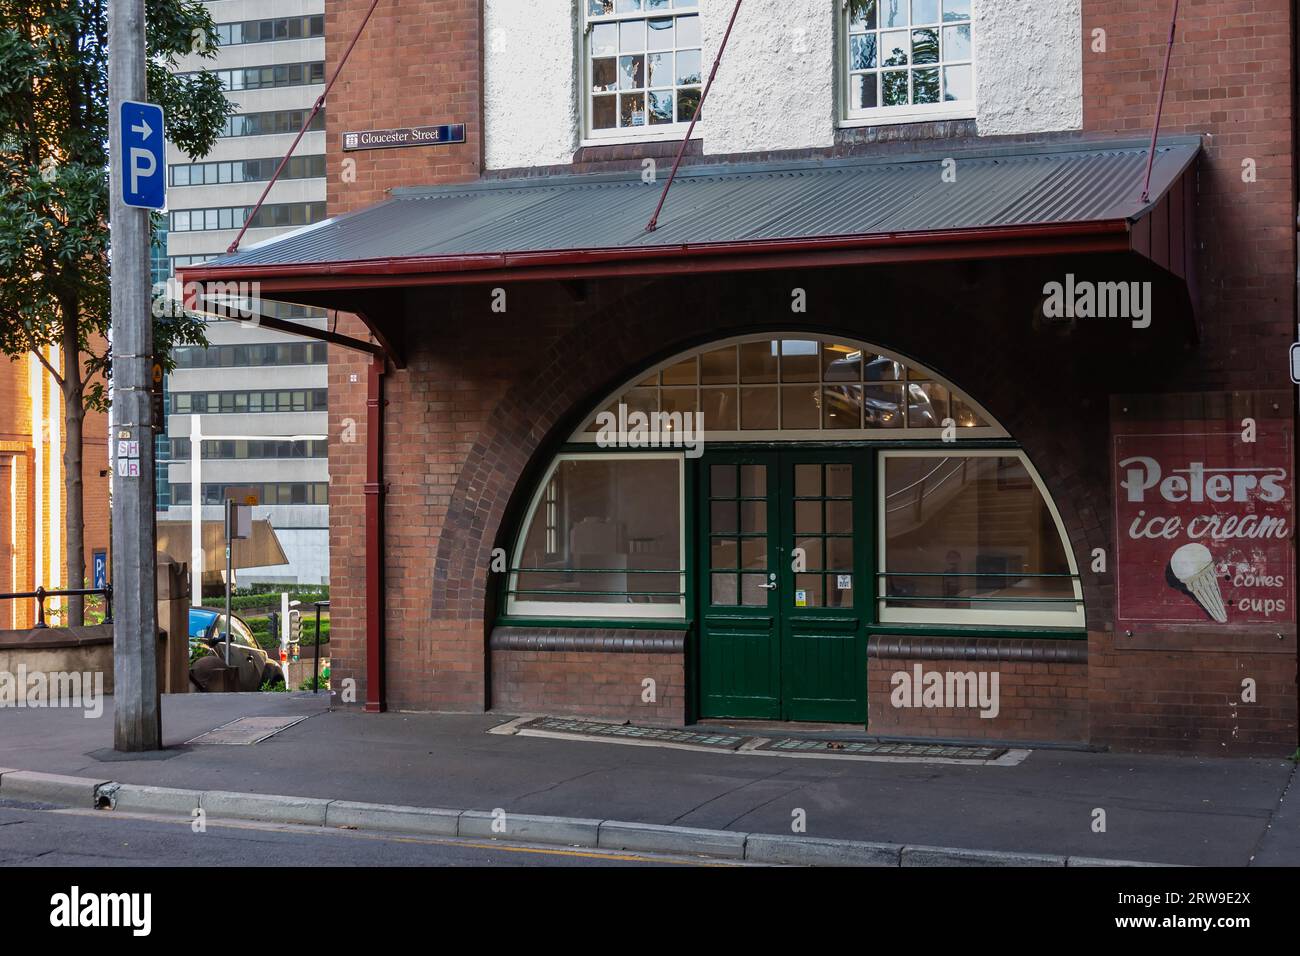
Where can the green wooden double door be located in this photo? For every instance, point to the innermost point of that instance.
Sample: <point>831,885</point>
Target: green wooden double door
<point>785,584</point>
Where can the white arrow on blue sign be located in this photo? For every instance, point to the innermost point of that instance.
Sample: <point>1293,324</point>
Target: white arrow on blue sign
<point>144,174</point>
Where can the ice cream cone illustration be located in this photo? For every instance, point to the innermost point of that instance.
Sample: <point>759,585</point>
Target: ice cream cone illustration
<point>1193,566</point>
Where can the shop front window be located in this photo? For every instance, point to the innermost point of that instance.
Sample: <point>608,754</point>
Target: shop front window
<point>971,538</point>
<point>605,538</point>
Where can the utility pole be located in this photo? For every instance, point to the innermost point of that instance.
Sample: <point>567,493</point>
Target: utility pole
<point>137,718</point>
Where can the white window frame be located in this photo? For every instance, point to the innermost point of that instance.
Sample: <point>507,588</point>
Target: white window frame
<point>517,607</point>
<point>1000,617</point>
<point>664,132</point>
<point>892,115</point>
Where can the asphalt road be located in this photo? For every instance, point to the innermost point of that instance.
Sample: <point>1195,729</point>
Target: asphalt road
<point>34,835</point>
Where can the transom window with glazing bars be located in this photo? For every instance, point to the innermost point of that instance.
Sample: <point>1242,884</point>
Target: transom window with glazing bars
<point>803,386</point>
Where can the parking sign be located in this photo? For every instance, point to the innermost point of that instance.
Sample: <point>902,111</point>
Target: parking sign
<point>143,166</point>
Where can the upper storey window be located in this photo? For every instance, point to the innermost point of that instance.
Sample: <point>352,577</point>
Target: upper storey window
<point>642,65</point>
<point>908,59</point>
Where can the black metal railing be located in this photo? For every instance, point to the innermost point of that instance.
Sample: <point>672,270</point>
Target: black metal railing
<point>40,594</point>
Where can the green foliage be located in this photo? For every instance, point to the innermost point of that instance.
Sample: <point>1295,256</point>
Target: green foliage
<point>267,598</point>
<point>261,628</point>
<point>317,683</point>
<point>198,649</point>
<point>54,195</point>
<point>276,688</point>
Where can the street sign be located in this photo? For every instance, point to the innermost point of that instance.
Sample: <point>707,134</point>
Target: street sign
<point>144,174</point>
<point>100,574</point>
<point>157,405</point>
<point>1295,362</point>
<point>242,495</point>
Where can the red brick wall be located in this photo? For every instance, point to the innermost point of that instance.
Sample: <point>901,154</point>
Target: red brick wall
<point>1037,701</point>
<point>1230,77</point>
<point>590,683</point>
<point>1184,692</point>
<point>417,63</point>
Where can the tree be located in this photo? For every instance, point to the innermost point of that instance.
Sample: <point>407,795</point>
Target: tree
<point>54,238</point>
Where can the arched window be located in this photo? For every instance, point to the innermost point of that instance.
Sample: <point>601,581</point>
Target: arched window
<point>819,474</point>
<point>788,387</point>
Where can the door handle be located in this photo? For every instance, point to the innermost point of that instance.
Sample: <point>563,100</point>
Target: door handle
<point>771,586</point>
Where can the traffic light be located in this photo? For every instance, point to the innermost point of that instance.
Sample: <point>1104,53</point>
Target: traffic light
<point>295,626</point>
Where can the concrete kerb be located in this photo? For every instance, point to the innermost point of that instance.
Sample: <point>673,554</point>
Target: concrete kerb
<point>347,814</point>
<point>771,848</point>
<point>226,804</point>
<point>50,788</point>
<point>653,838</point>
<point>529,828</point>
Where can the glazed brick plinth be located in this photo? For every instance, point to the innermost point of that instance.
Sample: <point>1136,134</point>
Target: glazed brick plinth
<point>1042,696</point>
<point>1182,692</point>
<point>606,684</point>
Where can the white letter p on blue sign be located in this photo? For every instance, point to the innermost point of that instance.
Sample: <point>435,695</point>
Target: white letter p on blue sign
<point>144,180</point>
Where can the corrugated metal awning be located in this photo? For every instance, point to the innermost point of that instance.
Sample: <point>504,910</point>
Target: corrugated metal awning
<point>993,202</point>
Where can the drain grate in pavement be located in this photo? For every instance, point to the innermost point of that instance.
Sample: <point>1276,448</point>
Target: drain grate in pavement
<point>850,748</point>
<point>821,747</point>
<point>246,730</point>
<point>593,728</point>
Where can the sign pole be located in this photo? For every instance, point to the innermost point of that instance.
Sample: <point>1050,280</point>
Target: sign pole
<point>230,540</point>
<point>137,717</point>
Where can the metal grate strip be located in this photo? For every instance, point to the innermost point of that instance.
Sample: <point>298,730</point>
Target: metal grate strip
<point>824,746</point>
<point>246,730</point>
<point>631,732</point>
<point>860,748</point>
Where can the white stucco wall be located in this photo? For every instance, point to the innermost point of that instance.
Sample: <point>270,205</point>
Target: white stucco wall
<point>777,85</point>
<point>531,82</point>
<point>1028,65</point>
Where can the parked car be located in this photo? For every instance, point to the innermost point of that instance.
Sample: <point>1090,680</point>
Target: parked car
<point>208,629</point>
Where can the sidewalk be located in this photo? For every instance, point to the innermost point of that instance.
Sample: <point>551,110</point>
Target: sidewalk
<point>1183,810</point>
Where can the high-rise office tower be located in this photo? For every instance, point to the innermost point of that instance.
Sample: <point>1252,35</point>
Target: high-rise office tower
<point>257,388</point>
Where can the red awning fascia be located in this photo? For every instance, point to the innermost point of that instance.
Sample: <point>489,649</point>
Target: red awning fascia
<point>1036,239</point>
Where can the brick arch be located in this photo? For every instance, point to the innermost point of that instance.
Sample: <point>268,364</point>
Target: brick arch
<point>614,343</point>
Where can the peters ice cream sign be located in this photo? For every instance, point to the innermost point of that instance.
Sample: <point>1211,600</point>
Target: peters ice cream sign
<point>1204,523</point>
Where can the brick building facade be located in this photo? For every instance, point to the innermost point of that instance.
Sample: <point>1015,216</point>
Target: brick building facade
<point>32,491</point>
<point>499,369</point>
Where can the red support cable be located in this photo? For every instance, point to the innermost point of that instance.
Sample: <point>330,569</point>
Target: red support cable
<point>1160,104</point>
<point>654,219</point>
<point>320,101</point>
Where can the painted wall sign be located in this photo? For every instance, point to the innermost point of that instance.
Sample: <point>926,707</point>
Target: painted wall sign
<point>1204,519</point>
<point>408,136</point>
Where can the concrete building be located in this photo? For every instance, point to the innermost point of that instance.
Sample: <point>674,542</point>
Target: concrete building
<point>938,443</point>
<point>256,385</point>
